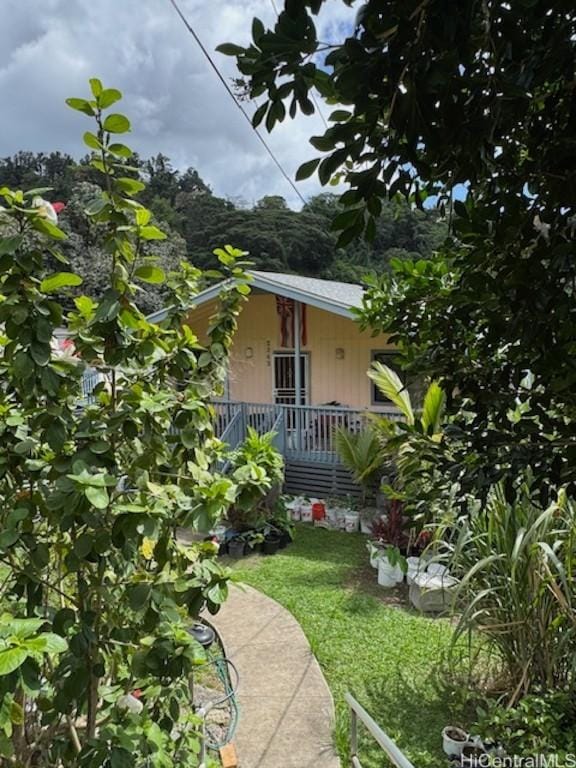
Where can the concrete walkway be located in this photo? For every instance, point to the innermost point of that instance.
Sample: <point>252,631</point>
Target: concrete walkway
<point>286,709</point>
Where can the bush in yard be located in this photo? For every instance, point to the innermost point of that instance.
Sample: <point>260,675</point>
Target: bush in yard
<point>540,724</point>
<point>97,591</point>
<point>258,471</point>
<point>516,564</point>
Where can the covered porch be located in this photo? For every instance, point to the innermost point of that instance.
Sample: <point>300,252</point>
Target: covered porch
<point>304,436</point>
<point>303,432</point>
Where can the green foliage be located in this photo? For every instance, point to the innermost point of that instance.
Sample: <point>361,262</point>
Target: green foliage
<point>196,221</point>
<point>391,386</point>
<point>21,640</point>
<point>516,564</point>
<point>362,453</point>
<point>416,447</point>
<point>258,471</point>
<point>472,102</point>
<point>99,589</point>
<point>540,724</point>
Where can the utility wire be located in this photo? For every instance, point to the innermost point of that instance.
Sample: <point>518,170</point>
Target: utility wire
<point>206,53</point>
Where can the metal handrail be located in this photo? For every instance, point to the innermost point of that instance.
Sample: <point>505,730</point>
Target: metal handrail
<point>357,712</point>
<point>378,410</point>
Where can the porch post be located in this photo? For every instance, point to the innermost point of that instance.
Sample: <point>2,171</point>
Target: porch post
<point>297,373</point>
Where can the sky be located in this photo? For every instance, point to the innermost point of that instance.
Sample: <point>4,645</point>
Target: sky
<point>50,48</point>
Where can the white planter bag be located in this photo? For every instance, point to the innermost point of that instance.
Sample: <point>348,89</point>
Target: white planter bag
<point>414,567</point>
<point>375,554</point>
<point>294,507</point>
<point>432,594</point>
<point>389,575</point>
<point>351,520</point>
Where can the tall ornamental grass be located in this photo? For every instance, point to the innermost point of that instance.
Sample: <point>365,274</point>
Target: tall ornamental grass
<point>516,562</point>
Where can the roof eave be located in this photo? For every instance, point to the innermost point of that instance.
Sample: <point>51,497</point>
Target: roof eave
<point>270,286</point>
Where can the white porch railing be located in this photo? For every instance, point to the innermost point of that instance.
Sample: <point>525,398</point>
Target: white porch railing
<point>303,431</point>
<point>357,712</point>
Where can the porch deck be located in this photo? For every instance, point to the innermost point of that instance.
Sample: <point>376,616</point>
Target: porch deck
<point>304,433</point>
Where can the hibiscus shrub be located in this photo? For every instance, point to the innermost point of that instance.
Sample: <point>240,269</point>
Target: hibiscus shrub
<point>97,589</point>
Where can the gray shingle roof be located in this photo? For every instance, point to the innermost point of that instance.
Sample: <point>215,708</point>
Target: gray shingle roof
<point>342,295</point>
<point>329,295</point>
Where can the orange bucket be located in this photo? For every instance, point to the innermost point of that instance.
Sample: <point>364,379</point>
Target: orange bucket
<point>318,511</point>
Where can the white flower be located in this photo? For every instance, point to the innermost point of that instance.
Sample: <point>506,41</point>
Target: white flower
<point>130,703</point>
<point>45,209</point>
<point>542,228</point>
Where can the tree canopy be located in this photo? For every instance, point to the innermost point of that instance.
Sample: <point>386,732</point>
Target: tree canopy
<point>196,221</point>
<point>472,103</point>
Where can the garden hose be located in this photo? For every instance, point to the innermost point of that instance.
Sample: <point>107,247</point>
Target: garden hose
<point>222,666</point>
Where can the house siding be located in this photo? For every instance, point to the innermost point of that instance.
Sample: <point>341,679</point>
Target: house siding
<point>331,379</point>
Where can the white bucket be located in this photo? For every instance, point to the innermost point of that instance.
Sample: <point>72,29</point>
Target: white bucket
<point>414,566</point>
<point>293,507</point>
<point>351,520</point>
<point>306,513</point>
<point>220,532</point>
<point>389,575</point>
<point>332,516</point>
<point>341,518</point>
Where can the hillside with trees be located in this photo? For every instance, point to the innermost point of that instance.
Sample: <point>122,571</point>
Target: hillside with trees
<point>196,221</point>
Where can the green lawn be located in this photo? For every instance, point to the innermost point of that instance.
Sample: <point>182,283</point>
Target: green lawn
<point>367,641</point>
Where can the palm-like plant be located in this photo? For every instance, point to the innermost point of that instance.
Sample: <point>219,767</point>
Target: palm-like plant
<point>429,420</point>
<point>362,453</point>
<point>415,444</point>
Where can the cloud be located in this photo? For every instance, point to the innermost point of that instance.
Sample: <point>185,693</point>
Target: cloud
<point>176,103</point>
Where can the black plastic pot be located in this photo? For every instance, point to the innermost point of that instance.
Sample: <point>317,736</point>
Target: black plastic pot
<point>271,545</point>
<point>236,548</point>
<point>285,539</point>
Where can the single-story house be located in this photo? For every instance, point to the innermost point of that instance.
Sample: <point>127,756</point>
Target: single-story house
<point>298,365</point>
<point>288,314</point>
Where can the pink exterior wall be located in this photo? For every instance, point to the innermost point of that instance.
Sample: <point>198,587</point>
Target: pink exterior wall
<point>258,337</point>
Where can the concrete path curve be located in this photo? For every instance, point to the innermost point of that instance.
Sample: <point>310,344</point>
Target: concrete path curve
<point>286,708</point>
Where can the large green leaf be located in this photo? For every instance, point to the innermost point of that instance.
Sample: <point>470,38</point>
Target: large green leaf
<point>390,384</point>
<point>116,124</point>
<point>60,280</point>
<point>97,496</point>
<point>108,97</point>
<point>150,274</point>
<point>47,642</point>
<point>11,659</point>
<point>433,408</point>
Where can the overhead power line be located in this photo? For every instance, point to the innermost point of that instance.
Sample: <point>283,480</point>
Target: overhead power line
<point>222,79</point>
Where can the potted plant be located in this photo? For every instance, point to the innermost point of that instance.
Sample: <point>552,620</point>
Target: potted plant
<point>454,740</point>
<point>255,540</point>
<point>271,543</point>
<point>367,517</point>
<point>237,546</point>
<point>390,539</point>
<point>363,454</point>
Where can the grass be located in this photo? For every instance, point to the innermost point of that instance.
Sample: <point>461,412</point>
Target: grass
<point>367,642</point>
